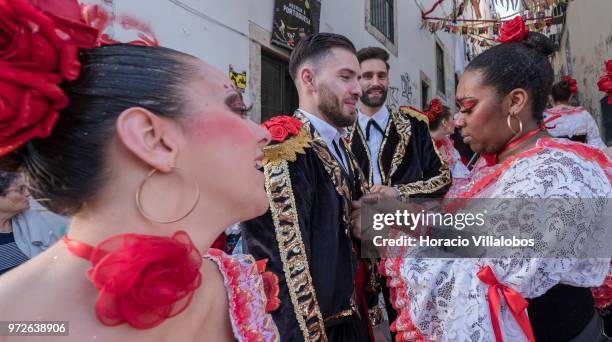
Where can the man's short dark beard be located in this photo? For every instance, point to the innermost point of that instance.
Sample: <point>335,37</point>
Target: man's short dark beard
<point>370,102</point>
<point>331,107</point>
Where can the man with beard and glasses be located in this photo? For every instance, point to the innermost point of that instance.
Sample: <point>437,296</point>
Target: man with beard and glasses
<point>311,180</point>
<point>393,149</point>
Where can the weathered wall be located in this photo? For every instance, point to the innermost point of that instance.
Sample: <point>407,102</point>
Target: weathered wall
<point>586,44</point>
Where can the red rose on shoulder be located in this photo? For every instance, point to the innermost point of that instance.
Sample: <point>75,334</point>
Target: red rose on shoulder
<point>280,127</point>
<point>270,281</point>
<point>513,31</point>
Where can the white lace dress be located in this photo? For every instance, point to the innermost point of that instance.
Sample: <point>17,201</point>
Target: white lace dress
<point>444,300</point>
<point>568,121</point>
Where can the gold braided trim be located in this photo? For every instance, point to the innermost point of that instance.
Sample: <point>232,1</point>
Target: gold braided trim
<point>404,130</point>
<point>288,149</point>
<point>428,186</point>
<point>292,251</point>
<point>414,113</point>
<point>343,313</point>
<point>383,177</point>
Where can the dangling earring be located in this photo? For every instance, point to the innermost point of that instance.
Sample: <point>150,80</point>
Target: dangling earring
<point>149,217</point>
<point>510,124</point>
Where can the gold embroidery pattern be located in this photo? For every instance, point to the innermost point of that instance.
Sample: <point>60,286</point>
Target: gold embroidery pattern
<point>383,177</point>
<point>404,130</point>
<point>367,149</point>
<point>292,251</point>
<point>414,113</point>
<point>288,149</point>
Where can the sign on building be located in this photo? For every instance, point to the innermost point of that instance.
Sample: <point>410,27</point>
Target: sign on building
<point>293,20</point>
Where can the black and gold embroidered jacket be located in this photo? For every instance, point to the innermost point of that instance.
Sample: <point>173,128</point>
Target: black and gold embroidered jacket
<point>306,235</point>
<point>407,158</point>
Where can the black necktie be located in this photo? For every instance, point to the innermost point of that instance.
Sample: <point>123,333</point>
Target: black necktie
<point>371,123</point>
<point>338,152</point>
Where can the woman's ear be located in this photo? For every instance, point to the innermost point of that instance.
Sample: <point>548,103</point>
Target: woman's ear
<point>148,137</point>
<point>518,99</point>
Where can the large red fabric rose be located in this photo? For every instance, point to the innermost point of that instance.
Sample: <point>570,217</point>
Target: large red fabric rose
<point>572,82</point>
<point>143,280</point>
<point>29,105</point>
<point>280,127</point>
<point>513,31</point>
<point>605,82</point>
<point>40,41</point>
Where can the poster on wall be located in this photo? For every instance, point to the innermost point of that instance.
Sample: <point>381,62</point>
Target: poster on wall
<point>293,20</point>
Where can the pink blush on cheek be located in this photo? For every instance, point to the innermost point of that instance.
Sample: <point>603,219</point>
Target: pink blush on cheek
<point>219,126</point>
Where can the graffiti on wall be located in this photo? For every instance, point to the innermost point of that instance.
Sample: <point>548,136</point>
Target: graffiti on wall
<point>406,88</point>
<point>238,78</point>
<point>393,98</point>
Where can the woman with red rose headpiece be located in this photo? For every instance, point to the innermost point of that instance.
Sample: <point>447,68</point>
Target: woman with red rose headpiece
<point>565,121</point>
<point>441,126</point>
<point>130,141</point>
<point>537,293</point>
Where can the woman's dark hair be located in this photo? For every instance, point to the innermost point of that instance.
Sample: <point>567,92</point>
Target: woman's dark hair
<point>67,169</point>
<point>519,65</point>
<point>561,91</point>
<point>6,179</point>
<point>434,125</point>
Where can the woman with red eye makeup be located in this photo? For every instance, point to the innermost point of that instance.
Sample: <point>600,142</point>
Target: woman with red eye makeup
<point>542,294</point>
<point>151,154</point>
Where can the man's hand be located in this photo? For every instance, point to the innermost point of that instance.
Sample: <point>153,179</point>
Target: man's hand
<point>386,191</point>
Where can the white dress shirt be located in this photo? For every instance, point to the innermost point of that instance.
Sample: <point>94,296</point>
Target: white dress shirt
<point>376,137</point>
<point>329,134</point>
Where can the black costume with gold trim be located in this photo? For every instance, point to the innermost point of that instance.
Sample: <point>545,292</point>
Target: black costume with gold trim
<point>407,158</point>
<point>306,237</point>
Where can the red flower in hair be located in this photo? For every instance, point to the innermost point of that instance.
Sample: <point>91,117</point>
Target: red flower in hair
<point>280,127</point>
<point>572,83</point>
<point>435,110</point>
<point>38,49</point>
<point>513,31</point>
<point>270,281</point>
<point>605,82</point>
<point>143,280</point>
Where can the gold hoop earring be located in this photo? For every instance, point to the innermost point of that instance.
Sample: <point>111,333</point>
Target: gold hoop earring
<point>510,124</point>
<point>149,217</point>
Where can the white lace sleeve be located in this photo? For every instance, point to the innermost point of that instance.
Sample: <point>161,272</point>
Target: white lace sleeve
<point>444,300</point>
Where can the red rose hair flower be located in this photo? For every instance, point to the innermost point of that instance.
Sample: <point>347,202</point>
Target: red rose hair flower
<point>435,110</point>
<point>280,127</point>
<point>513,31</point>
<point>572,82</point>
<point>143,280</point>
<point>605,82</point>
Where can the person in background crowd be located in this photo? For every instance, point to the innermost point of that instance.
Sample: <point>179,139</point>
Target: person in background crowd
<point>26,228</point>
<point>441,126</point>
<point>565,121</point>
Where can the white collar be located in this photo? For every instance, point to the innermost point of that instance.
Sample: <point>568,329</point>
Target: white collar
<point>327,132</point>
<point>381,117</point>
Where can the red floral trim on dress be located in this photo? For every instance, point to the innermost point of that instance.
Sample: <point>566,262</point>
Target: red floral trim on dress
<point>583,151</point>
<point>603,294</point>
<point>447,151</point>
<point>564,110</point>
<point>403,327</point>
<point>247,299</point>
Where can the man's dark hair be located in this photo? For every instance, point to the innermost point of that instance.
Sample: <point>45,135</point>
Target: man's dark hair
<point>519,65</point>
<point>373,52</point>
<point>315,47</point>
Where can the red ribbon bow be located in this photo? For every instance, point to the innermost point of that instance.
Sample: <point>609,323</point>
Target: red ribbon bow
<point>514,300</point>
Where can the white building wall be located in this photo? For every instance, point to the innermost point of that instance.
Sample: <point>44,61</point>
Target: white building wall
<point>233,31</point>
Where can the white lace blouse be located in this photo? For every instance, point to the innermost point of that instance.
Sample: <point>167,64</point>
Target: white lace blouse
<point>444,300</point>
